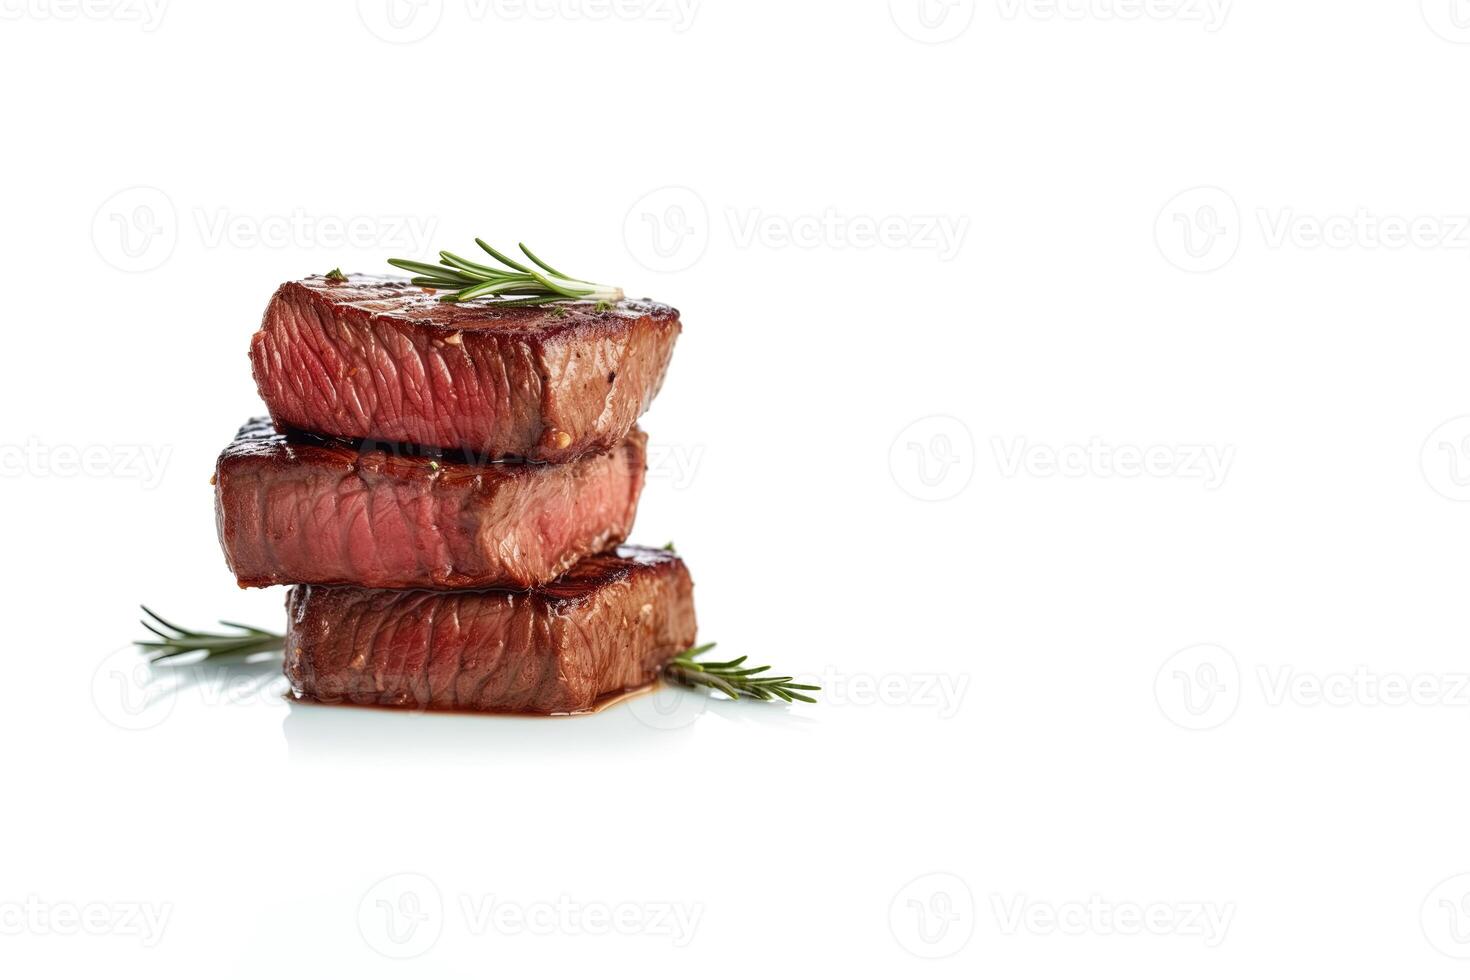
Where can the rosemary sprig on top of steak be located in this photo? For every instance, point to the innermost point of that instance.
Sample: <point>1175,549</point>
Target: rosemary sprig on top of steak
<point>175,641</point>
<point>732,679</point>
<point>729,677</point>
<point>516,284</point>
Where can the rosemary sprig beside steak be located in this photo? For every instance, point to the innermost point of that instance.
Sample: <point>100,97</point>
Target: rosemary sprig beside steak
<point>732,679</point>
<point>728,677</point>
<point>514,285</point>
<point>175,641</point>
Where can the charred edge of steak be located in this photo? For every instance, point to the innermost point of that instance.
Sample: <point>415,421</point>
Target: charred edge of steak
<point>607,626</point>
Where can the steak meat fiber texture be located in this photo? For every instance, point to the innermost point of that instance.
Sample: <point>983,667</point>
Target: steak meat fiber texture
<point>298,509</point>
<point>379,358</point>
<point>606,626</point>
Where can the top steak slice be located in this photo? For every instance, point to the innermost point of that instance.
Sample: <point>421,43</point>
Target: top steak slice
<point>301,509</point>
<point>378,358</point>
<point>606,626</point>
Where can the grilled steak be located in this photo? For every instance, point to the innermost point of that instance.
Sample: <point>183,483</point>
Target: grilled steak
<point>606,626</point>
<point>307,510</point>
<point>376,358</point>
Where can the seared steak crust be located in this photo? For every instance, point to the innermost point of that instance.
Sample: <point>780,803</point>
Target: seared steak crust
<point>378,358</point>
<point>606,626</point>
<point>304,510</point>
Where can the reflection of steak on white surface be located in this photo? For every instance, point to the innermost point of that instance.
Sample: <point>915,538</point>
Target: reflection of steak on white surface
<point>303,510</point>
<point>606,626</point>
<point>376,358</point>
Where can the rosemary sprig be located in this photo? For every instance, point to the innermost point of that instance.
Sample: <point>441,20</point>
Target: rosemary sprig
<point>175,641</point>
<point>728,677</point>
<point>514,285</point>
<point>336,275</point>
<point>731,679</point>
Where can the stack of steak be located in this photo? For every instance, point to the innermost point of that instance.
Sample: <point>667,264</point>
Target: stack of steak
<point>446,487</point>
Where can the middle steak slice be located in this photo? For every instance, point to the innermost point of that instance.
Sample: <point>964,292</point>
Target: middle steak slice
<point>301,510</point>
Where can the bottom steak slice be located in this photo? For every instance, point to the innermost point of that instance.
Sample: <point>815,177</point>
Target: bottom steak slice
<point>606,626</point>
<point>303,510</point>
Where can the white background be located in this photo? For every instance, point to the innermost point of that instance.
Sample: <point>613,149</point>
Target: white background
<point>973,294</point>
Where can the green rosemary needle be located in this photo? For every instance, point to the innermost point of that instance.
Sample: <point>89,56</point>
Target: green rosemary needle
<point>176,641</point>
<point>516,284</point>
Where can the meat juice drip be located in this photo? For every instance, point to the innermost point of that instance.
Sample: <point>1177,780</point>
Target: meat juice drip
<point>602,702</point>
